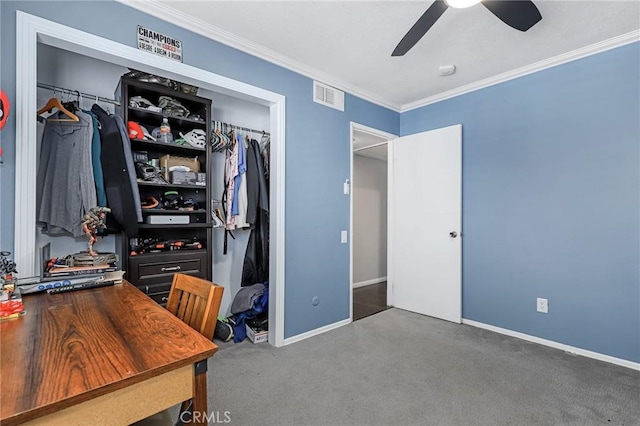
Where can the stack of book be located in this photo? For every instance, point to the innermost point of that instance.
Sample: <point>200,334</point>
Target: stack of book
<point>62,272</point>
<point>85,271</point>
<point>61,278</point>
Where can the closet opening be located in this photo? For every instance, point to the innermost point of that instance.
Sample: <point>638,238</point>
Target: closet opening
<point>74,65</point>
<point>369,171</point>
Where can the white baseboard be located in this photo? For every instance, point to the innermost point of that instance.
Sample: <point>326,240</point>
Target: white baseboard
<point>315,332</point>
<point>369,282</point>
<point>556,345</point>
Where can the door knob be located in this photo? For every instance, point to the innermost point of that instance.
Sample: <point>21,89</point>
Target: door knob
<point>453,234</point>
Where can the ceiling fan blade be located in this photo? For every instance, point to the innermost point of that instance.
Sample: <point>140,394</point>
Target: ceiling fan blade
<point>519,14</point>
<point>419,29</point>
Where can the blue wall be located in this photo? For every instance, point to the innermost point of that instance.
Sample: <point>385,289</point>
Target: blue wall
<point>317,155</point>
<point>551,208</point>
<point>551,184</point>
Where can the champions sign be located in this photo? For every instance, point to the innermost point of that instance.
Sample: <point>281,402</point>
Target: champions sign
<point>160,44</point>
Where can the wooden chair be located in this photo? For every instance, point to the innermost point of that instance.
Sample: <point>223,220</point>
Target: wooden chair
<point>196,302</point>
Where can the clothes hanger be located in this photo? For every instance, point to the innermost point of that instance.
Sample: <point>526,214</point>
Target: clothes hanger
<point>55,103</point>
<point>79,100</point>
<point>72,105</point>
<point>264,140</point>
<point>218,141</point>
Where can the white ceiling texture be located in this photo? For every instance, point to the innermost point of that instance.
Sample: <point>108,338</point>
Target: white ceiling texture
<point>347,44</point>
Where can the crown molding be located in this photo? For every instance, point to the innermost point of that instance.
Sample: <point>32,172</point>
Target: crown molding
<point>181,19</point>
<point>573,55</point>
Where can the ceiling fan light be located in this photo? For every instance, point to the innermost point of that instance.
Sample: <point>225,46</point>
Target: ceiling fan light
<point>460,4</point>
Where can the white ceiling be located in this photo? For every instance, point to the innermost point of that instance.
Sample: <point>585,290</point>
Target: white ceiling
<point>348,44</point>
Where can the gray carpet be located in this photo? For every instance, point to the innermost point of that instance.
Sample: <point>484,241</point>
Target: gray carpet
<point>400,368</point>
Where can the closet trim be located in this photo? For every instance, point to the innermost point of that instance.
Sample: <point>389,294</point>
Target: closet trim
<point>31,30</point>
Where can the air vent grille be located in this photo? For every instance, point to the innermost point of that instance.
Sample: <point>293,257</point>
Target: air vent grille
<point>327,95</point>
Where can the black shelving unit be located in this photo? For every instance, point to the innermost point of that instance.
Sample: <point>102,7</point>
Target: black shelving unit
<point>152,269</point>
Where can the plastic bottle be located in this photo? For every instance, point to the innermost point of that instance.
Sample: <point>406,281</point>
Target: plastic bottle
<point>165,131</point>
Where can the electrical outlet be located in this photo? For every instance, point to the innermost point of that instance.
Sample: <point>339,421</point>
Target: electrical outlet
<point>542,305</point>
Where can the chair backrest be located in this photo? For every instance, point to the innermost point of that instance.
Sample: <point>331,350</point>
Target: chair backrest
<point>196,302</point>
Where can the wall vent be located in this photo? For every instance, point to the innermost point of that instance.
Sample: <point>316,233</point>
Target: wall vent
<point>328,96</point>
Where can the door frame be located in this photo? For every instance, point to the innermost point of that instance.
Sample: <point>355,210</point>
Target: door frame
<point>353,127</point>
<point>31,30</point>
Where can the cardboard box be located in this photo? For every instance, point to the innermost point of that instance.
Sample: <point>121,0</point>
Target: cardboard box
<point>188,178</point>
<point>257,336</point>
<point>168,161</point>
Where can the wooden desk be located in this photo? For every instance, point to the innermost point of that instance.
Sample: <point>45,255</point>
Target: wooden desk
<point>102,356</point>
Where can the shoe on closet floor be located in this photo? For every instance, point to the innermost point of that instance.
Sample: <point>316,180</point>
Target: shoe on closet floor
<point>224,331</point>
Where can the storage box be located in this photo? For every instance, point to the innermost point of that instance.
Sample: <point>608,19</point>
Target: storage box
<point>168,161</point>
<point>257,336</point>
<point>188,178</point>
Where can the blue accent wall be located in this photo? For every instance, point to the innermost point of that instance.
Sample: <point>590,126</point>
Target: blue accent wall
<point>551,183</point>
<point>317,150</point>
<point>551,200</point>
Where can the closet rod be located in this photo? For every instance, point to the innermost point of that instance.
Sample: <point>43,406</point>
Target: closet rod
<point>246,129</point>
<point>76,92</point>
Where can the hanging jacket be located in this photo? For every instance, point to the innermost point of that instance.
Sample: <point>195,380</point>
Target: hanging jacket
<point>257,187</point>
<point>120,198</point>
<point>131,168</point>
<point>255,267</point>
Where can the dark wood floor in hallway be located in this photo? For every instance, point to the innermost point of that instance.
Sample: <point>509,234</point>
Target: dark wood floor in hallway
<point>369,300</point>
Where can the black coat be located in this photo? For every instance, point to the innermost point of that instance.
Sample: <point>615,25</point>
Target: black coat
<point>256,260</point>
<point>117,185</point>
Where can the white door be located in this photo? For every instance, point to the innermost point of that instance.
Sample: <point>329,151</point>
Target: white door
<point>425,223</point>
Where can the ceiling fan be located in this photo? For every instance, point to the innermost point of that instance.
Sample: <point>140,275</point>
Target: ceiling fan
<point>518,14</point>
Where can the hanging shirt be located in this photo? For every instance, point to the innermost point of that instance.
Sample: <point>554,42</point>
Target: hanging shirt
<point>242,168</point>
<point>65,174</point>
<point>241,218</point>
<point>96,152</point>
<point>230,172</point>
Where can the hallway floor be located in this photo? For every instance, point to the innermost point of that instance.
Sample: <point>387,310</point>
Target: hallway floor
<point>369,300</point>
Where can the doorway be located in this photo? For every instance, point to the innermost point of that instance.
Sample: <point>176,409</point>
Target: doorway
<point>369,221</point>
<point>424,227</point>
